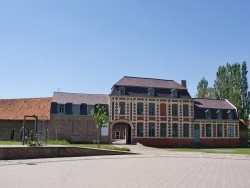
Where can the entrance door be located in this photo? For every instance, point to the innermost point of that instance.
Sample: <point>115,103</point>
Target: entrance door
<point>117,134</point>
<point>196,134</point>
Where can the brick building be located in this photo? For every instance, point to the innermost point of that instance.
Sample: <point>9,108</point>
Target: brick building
<point>153,112</point>
<point>71,118</point>
<point>12,112</point>
<point>158,112</point>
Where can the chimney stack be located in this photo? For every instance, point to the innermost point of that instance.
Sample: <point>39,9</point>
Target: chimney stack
<point>184,83</point>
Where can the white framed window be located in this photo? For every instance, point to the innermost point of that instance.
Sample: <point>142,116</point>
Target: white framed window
<point>230,130</point>
<point>140,131</point>
<point>140,108</point>
<point>219,114</point>
<point>152,109</point>
<point>185,110</point>
<point>186,130</point>
<point>151,92</point>
<point>208,130</point>
<point>122,108</point>
<point>219,130</point>
<point>89,109</point>
<point>230,115</point>
<point>163,130</point>
<point>174,109</point>
<point>174,93</point>
<point>175,130</point>
<point>208,114</point>
<point>61,108</point>
<point>151,132</point>
<point>122,90</point>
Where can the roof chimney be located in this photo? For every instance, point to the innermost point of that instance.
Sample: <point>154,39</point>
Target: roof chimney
<point>184,83</point>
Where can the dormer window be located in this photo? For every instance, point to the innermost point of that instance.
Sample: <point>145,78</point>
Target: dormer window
<point>61,109</point>
<point>208,114</point>
<point>174,93</point>
<point>219,114</point>
<point>230,115</point>
<point>151,92</point>
<point>122,90</point>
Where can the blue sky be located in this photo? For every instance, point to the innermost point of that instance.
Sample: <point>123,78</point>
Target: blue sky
<point>86,46</point>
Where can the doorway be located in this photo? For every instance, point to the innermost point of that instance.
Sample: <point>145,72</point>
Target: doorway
<point>121,133</point>
<point>196,134</point>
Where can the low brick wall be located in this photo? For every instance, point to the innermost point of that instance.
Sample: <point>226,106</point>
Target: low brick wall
<point>11,153</point>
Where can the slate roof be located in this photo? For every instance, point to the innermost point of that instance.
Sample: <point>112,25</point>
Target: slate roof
<point>138,87</point>
<point>79,98</point>
<point>149,82</point>
<point>201,105</point>
<point>16,109</point>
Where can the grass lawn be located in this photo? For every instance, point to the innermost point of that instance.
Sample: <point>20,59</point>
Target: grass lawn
<point>63,142</point>
<point>245,151</point>
<point>10,143</point>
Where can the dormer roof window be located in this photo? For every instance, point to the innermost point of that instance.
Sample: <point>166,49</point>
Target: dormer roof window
<point>122,90</point>
<point>174,93</point>
<point>219,114</point>
<point>230,115</point>
<point>208,114</point>
<point>151,92</point>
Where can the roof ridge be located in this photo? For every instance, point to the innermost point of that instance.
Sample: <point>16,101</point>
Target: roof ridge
<point>80,93</point>
<point>147,78</point>
<point>211,99</point>
<point>27,98</point>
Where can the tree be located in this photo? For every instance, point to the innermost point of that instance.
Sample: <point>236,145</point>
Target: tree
<point>244,92</point>
<point>203,91</point>
<point>101,118</point>
<point>231,83</point>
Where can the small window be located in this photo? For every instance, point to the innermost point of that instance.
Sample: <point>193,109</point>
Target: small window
<point>186,130</point>
<point>219,114</point>
<point>163,130</point>
<point>151,92</point>
<point>140,107</point>
<point>140,130</point>
<point>185,110</point>
<point>174,93</point>
<point>208,130</point>
<point>89,109</point>
<point>122,108</point>
<point>61,108</point>
<point>208,114</point>
<point>230,115</point>
<point>174,109</point>
<point>175,130</point>
<point>230,130</point>
<point>122,90</point>
<point>151,132</point>
<point>76,109</point>
<point>219,130</point>
<point>151,109</point>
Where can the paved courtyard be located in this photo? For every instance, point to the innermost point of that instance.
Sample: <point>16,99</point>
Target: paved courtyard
<point>152,168</point>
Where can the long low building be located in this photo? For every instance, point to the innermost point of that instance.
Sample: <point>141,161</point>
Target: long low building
<point>153,112</point>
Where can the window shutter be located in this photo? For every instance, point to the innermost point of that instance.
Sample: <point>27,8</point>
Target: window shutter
<point>68,109</point>
<point>83,109</point>
<point>53,108</point>
<point>106,106</point>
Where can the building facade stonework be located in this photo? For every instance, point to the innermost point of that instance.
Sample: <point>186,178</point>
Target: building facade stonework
<point>153,112</point>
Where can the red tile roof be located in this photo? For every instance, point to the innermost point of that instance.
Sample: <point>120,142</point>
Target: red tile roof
<point>149,82</point>
<point>16,109</point>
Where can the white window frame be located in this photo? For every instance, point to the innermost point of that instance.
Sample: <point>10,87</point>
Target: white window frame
<point>61,109</point>
<point>230,130</point>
